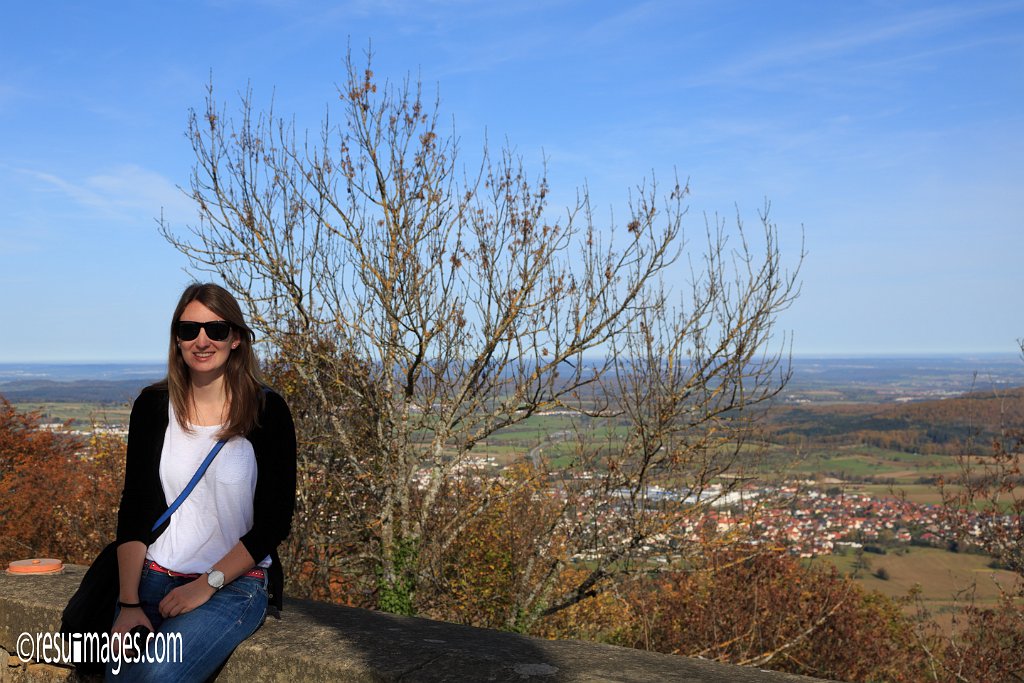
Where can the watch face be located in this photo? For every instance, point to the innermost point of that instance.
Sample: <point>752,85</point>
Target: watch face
<point>215,578</point>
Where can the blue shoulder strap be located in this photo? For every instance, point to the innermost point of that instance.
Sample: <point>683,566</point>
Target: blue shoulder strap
<point>191,485</point>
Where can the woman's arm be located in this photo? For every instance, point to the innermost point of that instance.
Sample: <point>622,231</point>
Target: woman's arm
<point>136,511</point>
<point>130,558</point>
<point>190,596</point>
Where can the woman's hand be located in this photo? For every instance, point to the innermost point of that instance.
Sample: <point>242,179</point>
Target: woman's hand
<point>186,598</point>
<point>130,617</point>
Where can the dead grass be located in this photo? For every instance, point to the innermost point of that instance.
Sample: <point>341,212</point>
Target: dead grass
<point>946,581</point>
<point>943,576</point>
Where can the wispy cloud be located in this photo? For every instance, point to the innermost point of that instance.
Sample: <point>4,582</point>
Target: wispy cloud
<point>802,52</point>
<point>120,192</point>
<point>619,26</point>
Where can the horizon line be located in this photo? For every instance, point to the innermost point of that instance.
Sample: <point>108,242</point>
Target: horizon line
<point>811,355</point>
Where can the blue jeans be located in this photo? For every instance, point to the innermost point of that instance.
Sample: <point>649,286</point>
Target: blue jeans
<point>209,633</point>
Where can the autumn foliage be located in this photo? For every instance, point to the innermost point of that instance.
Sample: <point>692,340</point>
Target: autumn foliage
<point>487,575</point>
<point>988,644</point>
<point>745,605</point>
<point>330,553</point>
<point>58,491</point>
<point>761,608</point>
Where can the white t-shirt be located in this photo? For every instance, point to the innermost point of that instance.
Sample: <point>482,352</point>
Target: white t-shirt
<point>219,510</point>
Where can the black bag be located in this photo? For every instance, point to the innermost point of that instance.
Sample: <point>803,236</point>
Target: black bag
<point>91,608</point>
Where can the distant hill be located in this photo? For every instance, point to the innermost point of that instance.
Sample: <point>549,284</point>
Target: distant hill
<point>943,426</point>
<point>77,391</point>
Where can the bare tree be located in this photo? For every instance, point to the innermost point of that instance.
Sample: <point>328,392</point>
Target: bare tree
<point>433,307</point>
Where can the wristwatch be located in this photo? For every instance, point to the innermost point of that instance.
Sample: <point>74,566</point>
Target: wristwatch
<point>215,578</point>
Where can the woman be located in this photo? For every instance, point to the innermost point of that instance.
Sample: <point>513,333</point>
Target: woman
<point>210,571</point>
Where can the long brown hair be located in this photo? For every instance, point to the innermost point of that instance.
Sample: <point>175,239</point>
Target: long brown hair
<point>241,374</point>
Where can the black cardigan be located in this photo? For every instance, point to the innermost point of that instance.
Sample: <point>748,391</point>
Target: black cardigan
<point>273,440</point>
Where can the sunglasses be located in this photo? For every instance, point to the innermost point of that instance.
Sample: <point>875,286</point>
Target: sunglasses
<point>216,330</point>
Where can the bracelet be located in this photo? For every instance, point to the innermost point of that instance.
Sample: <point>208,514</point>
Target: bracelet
<point>129,604</point>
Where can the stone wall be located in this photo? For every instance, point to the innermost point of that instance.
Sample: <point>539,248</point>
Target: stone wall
<point>313,641</point>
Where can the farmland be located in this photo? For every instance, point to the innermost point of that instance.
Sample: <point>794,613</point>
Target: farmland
<point>942,580</point>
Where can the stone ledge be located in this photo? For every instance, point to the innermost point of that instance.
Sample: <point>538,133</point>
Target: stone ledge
<point>314,641</point>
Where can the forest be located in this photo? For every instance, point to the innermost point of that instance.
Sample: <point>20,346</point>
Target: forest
<point>966,424</point>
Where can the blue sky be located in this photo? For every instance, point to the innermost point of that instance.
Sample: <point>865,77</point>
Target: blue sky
<point>892,132</point>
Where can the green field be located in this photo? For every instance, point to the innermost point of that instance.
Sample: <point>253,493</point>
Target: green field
<point>80,414</point>
<point>881,473</point>
<point>876,465</point>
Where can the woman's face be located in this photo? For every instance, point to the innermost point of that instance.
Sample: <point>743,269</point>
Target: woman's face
<point>204,357</point>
